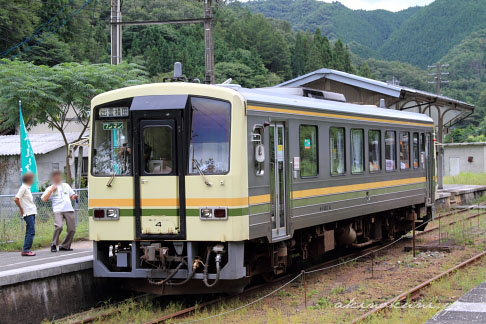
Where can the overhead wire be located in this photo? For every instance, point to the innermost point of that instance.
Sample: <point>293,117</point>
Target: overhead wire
<point>35,33</point>
<point>52,31</point>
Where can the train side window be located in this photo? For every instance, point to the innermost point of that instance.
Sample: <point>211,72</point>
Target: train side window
<point>337,147</point>
<point>374,147</point>
<point>357,151</point>
<point>257,138</point>
<point>404,150</point>
<point>390,150</point>
<point>309,164</point>
<point>422,149</point>
<point>416,152</point>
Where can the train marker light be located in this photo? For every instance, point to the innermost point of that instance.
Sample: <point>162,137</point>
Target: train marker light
<point>99,213</point>
<point>106,214</point>
<point>220,213</point>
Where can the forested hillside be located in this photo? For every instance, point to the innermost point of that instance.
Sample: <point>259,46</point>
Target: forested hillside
<point>368,28</point>
<point>419,35</point>
<point>251,49</point>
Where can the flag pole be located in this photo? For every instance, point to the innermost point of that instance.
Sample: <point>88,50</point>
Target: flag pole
<point>20,141</point>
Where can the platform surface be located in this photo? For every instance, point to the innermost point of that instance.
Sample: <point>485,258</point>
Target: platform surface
<point>461,189</point>
<point>15,268</point>
<point>469,309</point>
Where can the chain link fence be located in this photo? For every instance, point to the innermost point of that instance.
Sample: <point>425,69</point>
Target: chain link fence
<point>12,228</point>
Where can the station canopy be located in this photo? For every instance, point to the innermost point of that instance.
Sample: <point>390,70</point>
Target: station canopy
<point>443,110</point>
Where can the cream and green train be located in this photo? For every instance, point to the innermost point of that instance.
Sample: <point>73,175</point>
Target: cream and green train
<point>198,188</point>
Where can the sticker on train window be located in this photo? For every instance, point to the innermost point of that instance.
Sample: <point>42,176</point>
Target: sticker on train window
<point>280,154</point>
<point>112,126</point>
<point>307,143</point>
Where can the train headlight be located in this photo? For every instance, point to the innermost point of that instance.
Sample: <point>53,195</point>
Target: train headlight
<point>106,214</point>
<point>206,213</point>
<point>213,213</point>
<point>112,213</point>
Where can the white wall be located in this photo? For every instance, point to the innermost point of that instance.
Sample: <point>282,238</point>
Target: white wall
<point>460,153</point>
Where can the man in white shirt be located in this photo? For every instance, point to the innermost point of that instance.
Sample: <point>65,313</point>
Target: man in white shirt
<point>61,194</point>
<point>28,210</point>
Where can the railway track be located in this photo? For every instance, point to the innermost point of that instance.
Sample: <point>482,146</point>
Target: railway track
<point>451,223</point>
<point>292,276</point>
<point>410,294</point>
<point>321,266</point>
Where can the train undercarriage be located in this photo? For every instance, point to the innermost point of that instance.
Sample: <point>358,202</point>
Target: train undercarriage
<point>177,267</point>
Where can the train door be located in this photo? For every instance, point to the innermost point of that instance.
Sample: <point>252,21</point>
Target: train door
<point>429,166</point>
<point>278,179</point>
<point>159,177</point>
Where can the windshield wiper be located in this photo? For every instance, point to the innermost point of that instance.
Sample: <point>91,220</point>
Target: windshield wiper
<point>110,181</point>
<point>198,167</point>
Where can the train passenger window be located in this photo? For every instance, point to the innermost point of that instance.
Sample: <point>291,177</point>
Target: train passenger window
<point>209,149</point>
<point>337,145</point>
<point>416,152</point>
<point>112,153</point>
<point>357,151</point>
<point>374,148</point>
<point>158,150</point>
<point>404,150</point>
<point>422,149</point>
<point>390,150</point>
<point>309,163</point>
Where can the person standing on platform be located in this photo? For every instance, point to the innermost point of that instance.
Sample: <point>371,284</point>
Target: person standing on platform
<point>25,201</point>
<point>61,194</point>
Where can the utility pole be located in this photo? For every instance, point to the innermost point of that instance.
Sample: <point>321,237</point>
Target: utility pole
<point>394,81</point>
<point>438,81</point>
<point>116,32</point>
<point>208,41</point>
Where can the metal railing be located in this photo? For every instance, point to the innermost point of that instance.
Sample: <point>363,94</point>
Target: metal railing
<point>12,226</point>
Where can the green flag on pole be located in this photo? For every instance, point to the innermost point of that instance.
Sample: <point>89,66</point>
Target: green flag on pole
<point>27,157</point>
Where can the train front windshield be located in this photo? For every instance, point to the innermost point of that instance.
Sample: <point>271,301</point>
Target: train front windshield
<point>111,145</point>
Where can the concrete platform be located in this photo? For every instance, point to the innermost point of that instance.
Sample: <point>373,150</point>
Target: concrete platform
<point>458,195</point>
<point>470,309</point>
<point>15,268</point>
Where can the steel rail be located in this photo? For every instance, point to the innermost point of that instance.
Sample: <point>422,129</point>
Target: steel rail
<point>451,223</point>
<point>419,287</point>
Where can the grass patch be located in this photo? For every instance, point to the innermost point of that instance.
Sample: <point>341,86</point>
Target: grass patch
<point>12,227</point>
<point>43,233</point>
<point>466,178</point>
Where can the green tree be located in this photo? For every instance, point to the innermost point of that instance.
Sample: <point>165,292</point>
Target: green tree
<point>315,58</point>
<point>364,71</point>
<point>49,94</point>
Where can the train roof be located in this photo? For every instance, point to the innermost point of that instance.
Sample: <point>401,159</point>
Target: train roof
<point>290,97</point>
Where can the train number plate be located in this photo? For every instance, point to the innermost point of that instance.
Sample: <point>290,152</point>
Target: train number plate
<point>159,224</point>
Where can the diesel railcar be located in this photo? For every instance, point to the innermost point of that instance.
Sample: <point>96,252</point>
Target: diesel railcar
<point>198,188</point>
